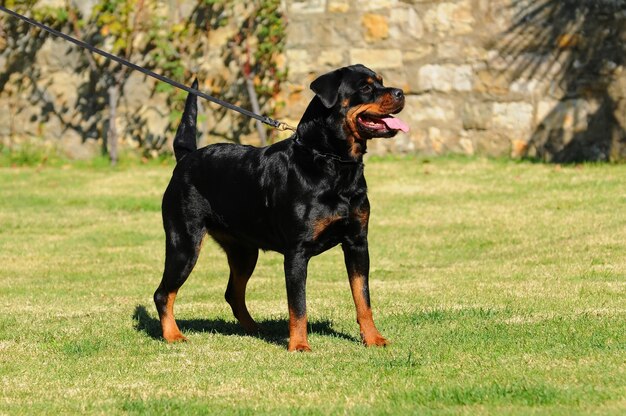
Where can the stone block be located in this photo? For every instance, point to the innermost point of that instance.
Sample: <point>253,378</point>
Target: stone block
<point>378,148</point>
<point>405,23</point>
<point>375,27</point>
<point>57,55</point>
<point>513,116</point>
<point>313,33</point>
<point>378,4</point>
<point>62,87</point>
<point>425,109</point>
<point>155,119</point>
<point>401,144</point>
<point>466,145</point>
<point>298,60</point>
<point>527,87</point>
<point>52,128</point>
<point>442,141</point>
<point>307,6</point>
<point>544,108</point>
<point>519,148</point>
<point>220,36</point>
<point>490,142</point>
<point>297,99</point>
<point>136,91</point>
<point>474,52</point>
<point>73,146</point>
<point>449,50</point>
<point>419,137</point>
<point>26,121</point>
<point>377,59</point>
<point>300,34</point>
<point>85,7</point>
<point>450,18</point>
<point>436,140</point>
<point>497,61</point>
<point>491,82</point>
<point>52,3</point>
<point>417,53</point>
<point>397,78</point>
<point>445,78</point>
<point>332,58</point>
<point>477,115</point>
<point>338,6</point>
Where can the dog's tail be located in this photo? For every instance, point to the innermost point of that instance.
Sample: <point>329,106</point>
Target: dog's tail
<point>185,139</point>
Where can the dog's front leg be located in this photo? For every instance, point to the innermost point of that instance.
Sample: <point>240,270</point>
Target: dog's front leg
<point>295,275</point>
<point>356,256</point>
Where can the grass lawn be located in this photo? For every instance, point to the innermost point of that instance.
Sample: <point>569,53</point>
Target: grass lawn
<point>501,285</point>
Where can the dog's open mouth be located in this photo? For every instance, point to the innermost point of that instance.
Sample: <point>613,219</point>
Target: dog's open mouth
<point>381,124</point>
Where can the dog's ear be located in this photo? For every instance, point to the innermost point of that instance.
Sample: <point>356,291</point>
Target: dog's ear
<point>326,87</point>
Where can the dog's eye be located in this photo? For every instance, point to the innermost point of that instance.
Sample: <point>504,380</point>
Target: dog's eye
<point>366,89</point>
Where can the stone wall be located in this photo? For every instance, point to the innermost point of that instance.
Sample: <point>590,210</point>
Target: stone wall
<point>489,77</point>
<point>537,78</point>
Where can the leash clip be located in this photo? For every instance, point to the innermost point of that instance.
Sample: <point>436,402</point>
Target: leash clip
<point>284,126</point>
<point>277,124</point>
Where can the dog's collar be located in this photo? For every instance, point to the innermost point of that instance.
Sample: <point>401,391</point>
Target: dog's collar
<point>327,155</point>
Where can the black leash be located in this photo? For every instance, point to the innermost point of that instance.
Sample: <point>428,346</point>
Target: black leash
<point>264,119</point>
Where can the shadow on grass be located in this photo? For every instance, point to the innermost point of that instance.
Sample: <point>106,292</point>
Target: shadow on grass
<point>274,331</point>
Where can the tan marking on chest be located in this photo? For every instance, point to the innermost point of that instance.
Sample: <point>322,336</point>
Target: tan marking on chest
<point>322,224</point>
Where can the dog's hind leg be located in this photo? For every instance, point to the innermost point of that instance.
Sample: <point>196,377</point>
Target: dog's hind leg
<point>242,261</point>
<point>181,253</point>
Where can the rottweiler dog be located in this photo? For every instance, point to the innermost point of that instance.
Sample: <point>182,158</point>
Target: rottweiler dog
<point>299,197</point>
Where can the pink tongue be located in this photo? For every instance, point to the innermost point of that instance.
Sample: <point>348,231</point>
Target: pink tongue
<point>395,124</point>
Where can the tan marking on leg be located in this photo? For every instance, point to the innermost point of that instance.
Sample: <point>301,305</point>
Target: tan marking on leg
<point>240,310</point>
<point>171,333</point>
<point>297,332</point>
<point>369,333</point>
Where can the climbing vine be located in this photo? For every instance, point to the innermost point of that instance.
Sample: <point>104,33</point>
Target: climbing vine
<point>172,38</point>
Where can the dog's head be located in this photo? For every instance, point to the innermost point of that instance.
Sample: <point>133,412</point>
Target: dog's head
<point>363,106</point>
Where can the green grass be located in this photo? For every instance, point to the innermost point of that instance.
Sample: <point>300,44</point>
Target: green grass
<point>501,285</point>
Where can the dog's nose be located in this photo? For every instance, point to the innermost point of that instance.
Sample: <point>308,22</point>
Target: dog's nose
<point>397,93</point>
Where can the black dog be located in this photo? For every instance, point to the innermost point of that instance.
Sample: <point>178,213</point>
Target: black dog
<point>299,197</point>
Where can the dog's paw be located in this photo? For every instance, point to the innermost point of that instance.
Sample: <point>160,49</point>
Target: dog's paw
<point>301,347</point>
<point>374,340</point>
<point>176,337</point>
<point>252,329</point>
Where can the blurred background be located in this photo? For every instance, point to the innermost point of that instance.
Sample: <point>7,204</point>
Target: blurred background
<point>538,79</point>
